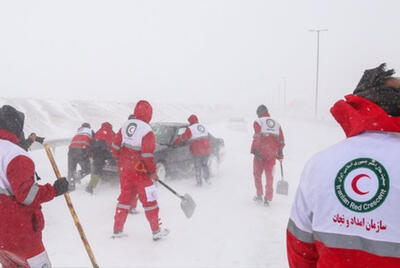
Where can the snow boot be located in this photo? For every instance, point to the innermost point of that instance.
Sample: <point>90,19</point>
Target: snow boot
<point>161,233</point>
<point>258,198</point>
<point>266,203</point>
<point>118,234</point>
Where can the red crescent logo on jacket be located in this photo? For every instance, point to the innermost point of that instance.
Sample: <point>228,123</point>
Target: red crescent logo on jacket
<point>270,123</point>
<point>201,128</point>
<point>354,184</point>
<point>130,129</point>
<point>362,184</point>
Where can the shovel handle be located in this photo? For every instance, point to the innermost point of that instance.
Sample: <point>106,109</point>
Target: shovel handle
<point>282,177</point>
<point>169,188</point>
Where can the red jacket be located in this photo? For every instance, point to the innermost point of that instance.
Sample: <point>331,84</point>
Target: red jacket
<point>82,139</point>
<point>21,221</point>
<point>105,133</point>
<point>199,140</point>
<point>308,237</point>
<point>267,145</point>
<point>129,155</point>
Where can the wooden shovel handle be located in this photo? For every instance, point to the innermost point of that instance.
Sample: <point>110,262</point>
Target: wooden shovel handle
<point>72,210</point>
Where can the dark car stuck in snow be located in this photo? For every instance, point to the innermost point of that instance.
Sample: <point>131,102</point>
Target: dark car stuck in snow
<point>176,160</point>
<point>173,161</point>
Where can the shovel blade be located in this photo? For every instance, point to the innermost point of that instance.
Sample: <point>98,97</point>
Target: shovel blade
<point>188,205</point>
<point>282,187</point>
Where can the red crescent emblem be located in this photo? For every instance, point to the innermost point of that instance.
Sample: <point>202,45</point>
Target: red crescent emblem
<point>354,184</point>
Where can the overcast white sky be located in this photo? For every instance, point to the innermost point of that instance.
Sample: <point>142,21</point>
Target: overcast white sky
<point>203,51</point>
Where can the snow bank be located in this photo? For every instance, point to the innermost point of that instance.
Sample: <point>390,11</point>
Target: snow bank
<point>60,119</point>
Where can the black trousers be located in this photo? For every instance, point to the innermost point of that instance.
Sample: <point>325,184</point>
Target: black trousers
<point>78,156</point>
<point>100,154</point>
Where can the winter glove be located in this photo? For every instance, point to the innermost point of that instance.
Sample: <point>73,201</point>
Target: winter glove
<point>177,141</point>
<point>154,177</point>
<point>39,139</point>
<point>32,137</point>
<point>61,186</point>
<point>374,86</point>
<point>280,155</point>
<point>257,154</point>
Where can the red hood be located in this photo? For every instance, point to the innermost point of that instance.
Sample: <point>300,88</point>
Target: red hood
<point>9,136</point>
<point>193,119</point>
<point>356,115</point>
<point>106,125</point>
<point>143,111</point>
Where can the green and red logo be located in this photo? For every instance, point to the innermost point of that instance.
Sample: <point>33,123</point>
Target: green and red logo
<point>201,128</point>
<point>130,129</point>
<point>270,123</point>
<point>362,184</point>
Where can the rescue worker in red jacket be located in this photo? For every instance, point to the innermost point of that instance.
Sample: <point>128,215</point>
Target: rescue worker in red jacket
<point>200,147</point>
<point>21,197</point>
<point>100,149</point>
<point>133,147</point>
<point>267,146</point>
<point>346,209</point>
<point>134,200</point>
<point>79,153</point>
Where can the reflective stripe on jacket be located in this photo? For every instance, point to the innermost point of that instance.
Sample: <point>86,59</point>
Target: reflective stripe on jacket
<point>82,139</point>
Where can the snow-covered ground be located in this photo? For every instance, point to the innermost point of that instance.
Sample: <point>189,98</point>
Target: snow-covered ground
<point>227,230</point>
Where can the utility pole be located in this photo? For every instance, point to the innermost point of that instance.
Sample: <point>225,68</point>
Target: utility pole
<point>284,94</point>
<point>317,72</point>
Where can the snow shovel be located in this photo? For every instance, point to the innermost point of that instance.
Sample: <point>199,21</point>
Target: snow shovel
<point>283,186</point>
<point>187,203</point>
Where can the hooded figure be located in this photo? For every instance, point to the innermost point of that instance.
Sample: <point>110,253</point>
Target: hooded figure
<point>21,197</point>
<point>199,140</point>
<point>133,147</point>
<point>344,212</point>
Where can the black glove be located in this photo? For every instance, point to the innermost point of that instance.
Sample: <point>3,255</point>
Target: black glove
<point>373,87</point>
<point>257,154</point>
<point>61,186</point>
<point>280,155</point>
<point>39,139</point>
